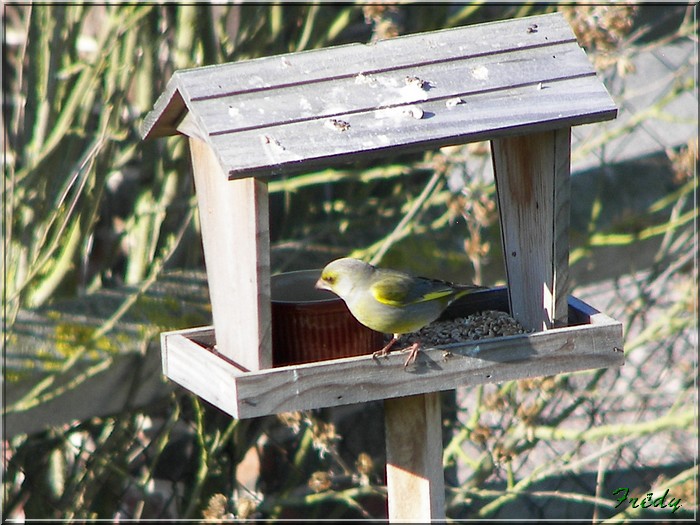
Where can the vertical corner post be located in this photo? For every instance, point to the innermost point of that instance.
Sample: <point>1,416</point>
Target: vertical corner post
<point>414,472</point>
<point>533,186</point>
<point>234,217</point>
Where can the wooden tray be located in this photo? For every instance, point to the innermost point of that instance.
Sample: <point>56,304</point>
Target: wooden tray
<point>592,340</point>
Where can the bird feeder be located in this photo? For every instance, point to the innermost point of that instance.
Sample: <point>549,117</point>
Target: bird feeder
<point>521,83</point>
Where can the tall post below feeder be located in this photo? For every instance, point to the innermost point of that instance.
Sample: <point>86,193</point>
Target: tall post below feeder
<point>521,83</point>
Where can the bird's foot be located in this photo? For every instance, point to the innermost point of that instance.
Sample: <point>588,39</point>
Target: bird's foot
<point>380,353</point>
<point>413,354</point>
<point>386,350</point>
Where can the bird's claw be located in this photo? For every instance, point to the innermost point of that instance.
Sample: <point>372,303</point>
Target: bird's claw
<point>380,353</point>
<point>384,352</point>
<point>413,354</point>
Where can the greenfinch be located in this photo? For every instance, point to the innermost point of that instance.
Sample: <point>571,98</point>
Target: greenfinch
<point>389,301</point>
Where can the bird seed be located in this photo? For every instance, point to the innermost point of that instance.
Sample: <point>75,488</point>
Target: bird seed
<point>481,325</point>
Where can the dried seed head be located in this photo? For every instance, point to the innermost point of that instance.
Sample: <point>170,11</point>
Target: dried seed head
<point>494,401</point>
<point>245,508</point>
<point>480,434</point>
<point>502,454</point>
<point>323,436</point>
<point>528,412</point>
<point>364,464</point>
<point>320,481</point>
<point>292,420</point>
<point>216,508</point>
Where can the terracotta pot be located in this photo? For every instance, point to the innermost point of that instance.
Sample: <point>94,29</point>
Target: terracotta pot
<point>314,325</point>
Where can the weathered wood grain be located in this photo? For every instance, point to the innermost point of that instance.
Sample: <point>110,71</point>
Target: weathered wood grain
<point>532,179</point>
<point>561,220</point>
<point>236,238</point>
<point>345,96</point>
<point>292,113</point>
<point>168,110</point>
<point>415,476</point>
<point>210,370</point>
<point>597,344</point>
<point>299,146</point>
<point>309,67</point>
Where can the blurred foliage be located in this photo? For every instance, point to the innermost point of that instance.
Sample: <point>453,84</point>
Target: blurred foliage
<point>88,205</point>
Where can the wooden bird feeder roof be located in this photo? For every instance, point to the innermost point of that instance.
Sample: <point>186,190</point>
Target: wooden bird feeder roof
<point>291,113</point>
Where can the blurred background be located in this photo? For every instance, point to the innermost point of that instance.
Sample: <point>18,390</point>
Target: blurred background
<point>102,252</point>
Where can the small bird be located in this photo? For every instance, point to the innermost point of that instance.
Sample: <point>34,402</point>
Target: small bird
<point>390,301</point>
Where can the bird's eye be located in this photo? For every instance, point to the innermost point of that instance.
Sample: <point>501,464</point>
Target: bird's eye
<point>329,278</point>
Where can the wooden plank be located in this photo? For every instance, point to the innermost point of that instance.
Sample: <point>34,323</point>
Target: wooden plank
<point>586,314</point>
<point>562,219</point>
<point>414,472</point>
<point>348,60</point>
<point>296,112</point>
<point>120,370</point>
<point>167,112</point>
<point>336,382</point>
<point>200,371</point>
<point>360,379</point>
<point>236,237</point>
<point>532,173</point>
<point>344,96</point>
<point>302,145</point>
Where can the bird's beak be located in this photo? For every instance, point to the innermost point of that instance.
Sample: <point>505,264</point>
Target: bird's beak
<point>322,285</point>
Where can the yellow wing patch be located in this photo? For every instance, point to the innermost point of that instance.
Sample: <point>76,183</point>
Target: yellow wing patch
<point>397,291</point>
<point>389,293</point>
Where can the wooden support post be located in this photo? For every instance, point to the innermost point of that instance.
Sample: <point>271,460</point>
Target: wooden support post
<point>414,473</point>
<point>533,186</point>
<point>236,236</point>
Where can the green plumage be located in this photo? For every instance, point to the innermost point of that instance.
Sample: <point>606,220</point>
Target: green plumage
<point>389,301</point>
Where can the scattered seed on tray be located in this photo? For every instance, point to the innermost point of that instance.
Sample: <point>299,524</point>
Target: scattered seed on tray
<point>481,325</point>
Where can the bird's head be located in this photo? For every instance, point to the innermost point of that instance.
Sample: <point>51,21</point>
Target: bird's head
<point>343,275</point>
